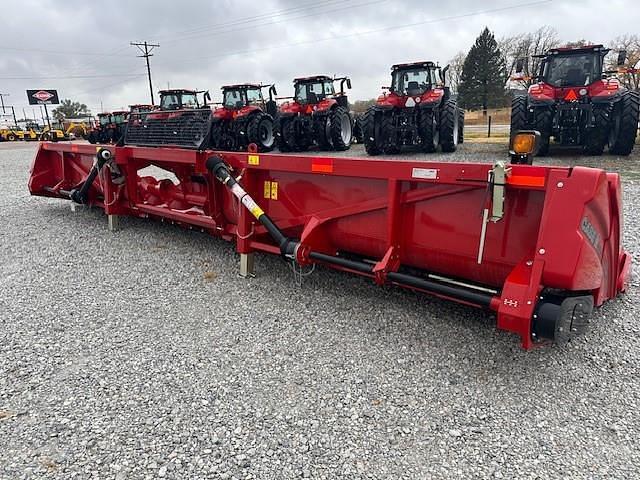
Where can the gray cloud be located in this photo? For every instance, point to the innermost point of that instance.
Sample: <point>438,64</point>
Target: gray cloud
<point>206,44</point>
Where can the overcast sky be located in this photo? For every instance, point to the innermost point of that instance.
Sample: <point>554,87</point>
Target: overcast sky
<point>82,48</point>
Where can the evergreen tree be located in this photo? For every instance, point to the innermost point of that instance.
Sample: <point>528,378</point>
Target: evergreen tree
<point>484,75</point>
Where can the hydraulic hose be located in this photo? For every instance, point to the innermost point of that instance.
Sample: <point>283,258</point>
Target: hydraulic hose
<point>80,195</point>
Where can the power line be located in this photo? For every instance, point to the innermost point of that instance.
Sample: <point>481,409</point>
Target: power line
<point>70,77</point>
<point>369,32</point>
<point>242,20</point>
<point>146,53</point>
<point>275,22</point>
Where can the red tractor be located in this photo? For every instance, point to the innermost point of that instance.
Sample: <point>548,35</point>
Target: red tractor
<point>577,103</point>
<point>244,117</point>
<point>316,115</point>
<point>418,111</point>
<point>109,128</point>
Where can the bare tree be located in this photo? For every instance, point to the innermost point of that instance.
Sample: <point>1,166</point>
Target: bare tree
<point>527,46</point>
<point>629,73</point>
<point>455,70</point>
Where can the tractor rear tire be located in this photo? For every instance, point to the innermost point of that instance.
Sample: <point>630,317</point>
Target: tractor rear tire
<point>460,126</point>
<point>340,128</point>
<point>428,131</point>
<point>370,132</point>
<point>279,125</point>
<point>449,126</point>
<point>260,132</point>
<point>388,134</point>
<point>518,115</point>
<point>542,123</point>
<point>292,138</point>
<point>624,127</point>
<point>597,137</point>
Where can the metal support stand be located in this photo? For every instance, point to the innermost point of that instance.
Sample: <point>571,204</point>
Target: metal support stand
<point>246,265</point>
<point>114,222</point>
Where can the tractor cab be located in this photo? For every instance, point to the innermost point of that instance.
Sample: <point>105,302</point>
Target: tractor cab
<point>573,67</point>
<point>179,99</point>
<point>104,119</point>
<point>140,108</point>
<point>313,90</point>
<point>119,117</point>
<point>414,79</point>
<point>248,96</point>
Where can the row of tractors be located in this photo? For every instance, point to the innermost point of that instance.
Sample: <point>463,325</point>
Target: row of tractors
<point>417,111</point>
<point>573,102</point>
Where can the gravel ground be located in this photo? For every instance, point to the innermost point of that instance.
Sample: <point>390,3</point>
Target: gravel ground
<point>142,354</point>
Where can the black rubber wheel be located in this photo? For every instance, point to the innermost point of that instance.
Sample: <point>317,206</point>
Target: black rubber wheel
<point>340,128</point>
<point>460,126</point>
<point>428,130</point>
<point>322,132</point>
<point>357,129</point>
<point>11,137</point>
<point>45,137</point>
<point>624,124</point>
<point>370,123</point>
<point>260,132</point>
<point>518,114</point>
<point>597,137</point>
<point>388,134</point>
<point>542,123</point>
<point>291,137</point>
<point>281,143</point>
<point>449,126</point>
<point>92,138</point>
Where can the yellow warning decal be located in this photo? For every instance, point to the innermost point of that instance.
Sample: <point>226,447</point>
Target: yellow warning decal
<point>274,190</point>
<point>254,159</point>
<point>267,189</point>
<point>257,211</point>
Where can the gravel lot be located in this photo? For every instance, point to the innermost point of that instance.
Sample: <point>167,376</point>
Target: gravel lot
<point>142,354</point>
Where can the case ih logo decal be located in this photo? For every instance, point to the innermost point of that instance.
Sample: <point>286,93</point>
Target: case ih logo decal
<point>42,97</point>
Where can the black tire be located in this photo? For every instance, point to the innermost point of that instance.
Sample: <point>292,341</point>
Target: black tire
<point>260,132</point>
<point>460,126</point>
<point>428,130</point>
<point>388,133</point>
<point>215,135</point>
<point>91,138</point>
<point>322,132</point>
<point>542,123</point>
<point>518,115</point>
<point>11,137</point>
<point>370,123</point>
<point>597,137</point>
<point>282,145</point>
<point>449,126</point>
<point>357,129</point>
<point>291,137</point>
<point>624,124</point>
<point>340,128</point>
<point>45,137</point>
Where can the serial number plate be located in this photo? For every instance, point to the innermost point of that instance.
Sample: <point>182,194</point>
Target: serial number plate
<point>428,173</point>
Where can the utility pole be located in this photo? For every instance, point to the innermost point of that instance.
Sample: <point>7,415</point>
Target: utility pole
<point>146,49</point>
<point>2,95</point>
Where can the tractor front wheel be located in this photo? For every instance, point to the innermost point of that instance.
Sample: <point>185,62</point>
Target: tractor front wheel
<point>291,137</point>
<point>260,132</point>
<point>12,137</point>
<point>624,127</point>
<point>542,123</point>
<point>449,126</point>
<point>340,128</point>
<point>45,137</point>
